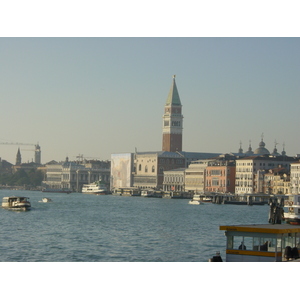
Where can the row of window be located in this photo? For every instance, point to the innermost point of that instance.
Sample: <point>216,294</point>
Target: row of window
<point>146,168</point>
<point>174,179</point>
<point>262,243</point>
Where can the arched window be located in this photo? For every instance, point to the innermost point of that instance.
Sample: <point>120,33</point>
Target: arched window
<point>146,169</point>
<point>140,167</point>
<point>153,169</point>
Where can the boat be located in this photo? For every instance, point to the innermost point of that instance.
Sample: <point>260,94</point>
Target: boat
<point>197,197</point>
<point>45,199</point>
<point>16,203</point>
<point>202,198</point>
<point>262,242</point>
<point>273,242</point>
<point>291,213</point>
<point>197,202</point>
<point>97,188</point>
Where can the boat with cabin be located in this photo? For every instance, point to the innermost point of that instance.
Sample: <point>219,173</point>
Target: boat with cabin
<point>16,203</point>
<point>97,188</point>
<point>196,201</point>
<point>273,242</point>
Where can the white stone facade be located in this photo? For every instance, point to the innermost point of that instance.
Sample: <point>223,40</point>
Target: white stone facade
<point>295,178</point>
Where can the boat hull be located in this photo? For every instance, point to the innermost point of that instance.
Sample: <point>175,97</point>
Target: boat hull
<point>25,208</point>
<point>95,193</point>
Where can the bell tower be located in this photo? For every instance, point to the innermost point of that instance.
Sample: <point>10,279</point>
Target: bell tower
<point>172,121</point>
<point>18,158</point>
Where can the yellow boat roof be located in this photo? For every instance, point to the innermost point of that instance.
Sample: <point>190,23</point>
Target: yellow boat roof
<point>263,228</point>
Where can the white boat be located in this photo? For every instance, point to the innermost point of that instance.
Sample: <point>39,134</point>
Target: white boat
<point>197,197</point>
<point>96,187</point>
<point>200,198</point>
<point>45,199</point>
<point>197,202</point>
<point>292,210</point>
<point>16,203</point>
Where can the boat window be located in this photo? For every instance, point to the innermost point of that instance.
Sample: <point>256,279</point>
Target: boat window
<point>256,243</point>
<point>289,240</point>
<point>248,242</point>
<point>267,244</point>
<point>229,242</point>
<point>298,240</point>
<point>238,242</point>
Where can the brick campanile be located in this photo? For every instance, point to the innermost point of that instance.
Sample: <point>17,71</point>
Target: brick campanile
<point>172,121</point>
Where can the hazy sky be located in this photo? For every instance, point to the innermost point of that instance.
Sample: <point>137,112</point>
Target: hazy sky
<point>97,96</point>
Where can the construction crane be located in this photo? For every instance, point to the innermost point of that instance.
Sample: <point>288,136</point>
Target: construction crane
<point>37,149</point>
<point>8,143</point>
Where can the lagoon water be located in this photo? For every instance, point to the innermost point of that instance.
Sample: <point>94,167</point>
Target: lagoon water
<point>90,228</point>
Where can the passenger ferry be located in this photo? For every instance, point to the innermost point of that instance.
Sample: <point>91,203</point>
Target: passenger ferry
<point>292,210</point>
<point>262,243</point>
<point>16,203</point>
<point>96,188</point>
<point>273,242</point>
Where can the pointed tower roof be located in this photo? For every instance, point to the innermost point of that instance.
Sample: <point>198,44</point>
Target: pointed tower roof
<point>173,97</point>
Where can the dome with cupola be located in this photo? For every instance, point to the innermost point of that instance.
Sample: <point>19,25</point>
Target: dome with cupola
<point>261,150</point>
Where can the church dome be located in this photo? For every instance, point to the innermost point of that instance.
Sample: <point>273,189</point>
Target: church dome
<point>249,152</point>
<point>261,150</point>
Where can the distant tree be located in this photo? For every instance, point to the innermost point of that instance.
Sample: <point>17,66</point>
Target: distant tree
<point>21,177</point>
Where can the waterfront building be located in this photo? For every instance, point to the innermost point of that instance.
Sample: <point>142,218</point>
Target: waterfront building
<point>174,180</point>
<point>122,170</point>
<point>150,167</point>
<point>220,175</point>
<point>295,178</point>
<point>277,181</point>
<point>250,172</point>
<point>72,176</point>
<point>172,121</point>
<point>195,176</point>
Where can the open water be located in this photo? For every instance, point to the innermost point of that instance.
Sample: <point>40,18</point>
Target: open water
<point>91,228</point>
